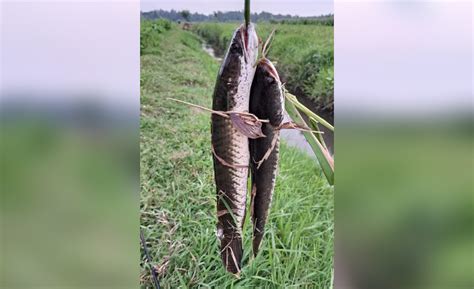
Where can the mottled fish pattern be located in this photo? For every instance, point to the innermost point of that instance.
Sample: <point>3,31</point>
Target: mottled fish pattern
<point>266,102</point>
<point>231,147</point>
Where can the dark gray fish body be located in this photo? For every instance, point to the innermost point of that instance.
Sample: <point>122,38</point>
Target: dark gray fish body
<point>231,148</point>
<point>266,102</point>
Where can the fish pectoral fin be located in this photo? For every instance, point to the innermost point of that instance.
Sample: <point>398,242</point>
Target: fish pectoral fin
<point>249,126</point>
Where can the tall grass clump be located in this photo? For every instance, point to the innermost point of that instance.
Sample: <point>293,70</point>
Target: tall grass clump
<point>150,34</point>
<point>317,77</point>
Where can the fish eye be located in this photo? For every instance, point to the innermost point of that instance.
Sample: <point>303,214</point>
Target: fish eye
<point>236,48</point>
<point>269,79</point>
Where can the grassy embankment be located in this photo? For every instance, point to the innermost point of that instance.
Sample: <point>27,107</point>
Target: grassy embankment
<point>178,193</point>
<point>304,55</point>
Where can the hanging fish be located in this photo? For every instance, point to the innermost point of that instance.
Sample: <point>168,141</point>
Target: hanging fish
<point>230,144</point>
<point>266,102</point>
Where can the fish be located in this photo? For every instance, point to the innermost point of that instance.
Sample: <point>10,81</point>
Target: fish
<point>266,102</point>
<point>231,155</point>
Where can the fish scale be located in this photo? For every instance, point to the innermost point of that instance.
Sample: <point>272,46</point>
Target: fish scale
<point>232,93</point>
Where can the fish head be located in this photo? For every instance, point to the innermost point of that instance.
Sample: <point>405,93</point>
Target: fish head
<point>272,98</point>
<point>242,51</point>
<point>272,79</point>
<point>270,71</point>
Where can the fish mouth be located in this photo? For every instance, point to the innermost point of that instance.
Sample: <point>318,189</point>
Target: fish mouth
<point>244,35</point>
<point>268,66</point>
<point>249,40</point>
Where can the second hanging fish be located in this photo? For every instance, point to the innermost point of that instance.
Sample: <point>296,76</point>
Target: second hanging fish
<point>266,102</point>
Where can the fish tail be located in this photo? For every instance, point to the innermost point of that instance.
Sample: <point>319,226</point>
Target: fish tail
<point>231,254</point>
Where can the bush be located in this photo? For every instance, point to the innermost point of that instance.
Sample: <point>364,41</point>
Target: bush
<point>317,76</point>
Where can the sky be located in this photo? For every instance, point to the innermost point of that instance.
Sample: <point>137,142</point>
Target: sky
<point>387,57</point>
<point>403,57</point>
<point>298,7</point>
<point>80,47</point>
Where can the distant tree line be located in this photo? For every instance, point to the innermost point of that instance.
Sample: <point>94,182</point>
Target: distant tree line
<point>327,20</point>
<point>233,16</point>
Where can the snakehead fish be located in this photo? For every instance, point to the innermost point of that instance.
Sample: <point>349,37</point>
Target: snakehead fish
<point>266,102</point>
<point>230,146</point>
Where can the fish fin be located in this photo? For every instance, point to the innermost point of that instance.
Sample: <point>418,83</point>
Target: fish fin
<point>231,254</point>
<point>247,125</point>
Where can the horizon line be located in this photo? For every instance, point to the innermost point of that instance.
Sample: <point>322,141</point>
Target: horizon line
<point>241,11</point>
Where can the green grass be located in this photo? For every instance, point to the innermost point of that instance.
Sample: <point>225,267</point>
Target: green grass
<point>178,213</point>
<point>150,31</point>
<point>304,54</point>
<point>67,207</point>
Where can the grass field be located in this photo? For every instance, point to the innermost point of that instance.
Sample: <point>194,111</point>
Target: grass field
<point>304,54</point>
<point>61,189</point>
<point>178,193</point>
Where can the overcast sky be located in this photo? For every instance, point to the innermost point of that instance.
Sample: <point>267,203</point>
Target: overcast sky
<point>294,7</point>
<point>82,47</point>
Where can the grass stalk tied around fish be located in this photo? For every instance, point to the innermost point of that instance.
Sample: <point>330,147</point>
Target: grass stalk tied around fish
<point>248,123</point>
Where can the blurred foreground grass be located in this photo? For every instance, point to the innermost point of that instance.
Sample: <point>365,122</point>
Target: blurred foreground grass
<point>178,193</point>
<point>405,205</point>
<point>61,190</point>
